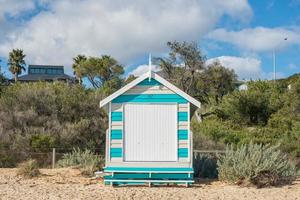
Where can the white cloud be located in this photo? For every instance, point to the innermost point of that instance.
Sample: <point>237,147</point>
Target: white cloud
<point>124,29</point>
<point>141,69</point>
<point>258,39</point>
<point>13,8</point>
<point>244,67</point>
<point>292,66</point>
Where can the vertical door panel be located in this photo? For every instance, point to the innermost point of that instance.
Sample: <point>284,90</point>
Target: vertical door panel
<point>150,132</point>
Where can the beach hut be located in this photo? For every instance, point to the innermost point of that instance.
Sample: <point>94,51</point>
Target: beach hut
<point>149,139</point>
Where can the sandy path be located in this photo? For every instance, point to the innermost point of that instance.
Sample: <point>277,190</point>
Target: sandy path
<point>68,184</point>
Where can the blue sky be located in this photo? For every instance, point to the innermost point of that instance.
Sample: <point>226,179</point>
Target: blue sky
<point>241,34</point>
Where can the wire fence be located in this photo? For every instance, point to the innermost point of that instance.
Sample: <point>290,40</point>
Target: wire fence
<point>48,157</point>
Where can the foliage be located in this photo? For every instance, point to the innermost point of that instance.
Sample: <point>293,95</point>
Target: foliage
<point>85,160</point>
<point>7,160</point>
<point>266,113</point>
<point>2,79</point>
<point>130,78</point>
<point>183,65</point>
<point>16,62</point>
<point>77,67</point>
<point>217,81</point>
<point>101,70</point>
<point>258,164</point>
<point>205,166</point>
<point>37,116</point>
<point>253,106</point>
<point>29,169</point>
<point>42,143</point>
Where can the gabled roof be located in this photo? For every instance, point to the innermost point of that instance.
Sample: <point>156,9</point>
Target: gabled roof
<point>156,77</point>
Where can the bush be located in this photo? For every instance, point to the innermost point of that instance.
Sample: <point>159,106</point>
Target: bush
<point>7,160</point>
<point>205,166</point>
<point>41,142</point>
<point>261,165</point>
<point>29,169</point>
<point>253,106</point>
<point>85,160</point>
<point>38,116</point>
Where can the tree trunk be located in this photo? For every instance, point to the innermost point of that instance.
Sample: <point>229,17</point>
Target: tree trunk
<point>198,116</point>
<point>16,77</point>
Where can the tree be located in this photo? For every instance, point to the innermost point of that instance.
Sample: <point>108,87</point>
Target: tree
<point>130,78</point>
<point>16,62</point>
<point>218,81</point>
<point>183,67</point>
<point>77,67</point>
<point>101,70</point>
<point>253,106</point>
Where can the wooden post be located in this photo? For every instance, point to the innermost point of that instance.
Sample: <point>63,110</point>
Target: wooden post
<point>53,158</point>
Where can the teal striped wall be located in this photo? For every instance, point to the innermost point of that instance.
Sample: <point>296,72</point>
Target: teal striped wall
<point>115,152</point>
<point>183,152</point>
<point>150,98</point>
<point>116,116</point>
<point>182,134</point>
<point>116,134</point>
<point>182,116</point>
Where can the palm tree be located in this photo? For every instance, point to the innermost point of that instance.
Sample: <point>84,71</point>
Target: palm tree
<point>16,62</point>
<point>77,67</point>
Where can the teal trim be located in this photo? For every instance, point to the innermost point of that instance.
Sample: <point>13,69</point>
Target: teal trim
<point>150,98</point>
<point>149,176</point>
<point>183,152</point>
<point>182,116</point>
<point>151,82</point>
<point>147,169</point>
<point>115,152</point>
<point>117,182</point>
<point>116,134</point>
<point>182,134</point>
<point>116,116</point>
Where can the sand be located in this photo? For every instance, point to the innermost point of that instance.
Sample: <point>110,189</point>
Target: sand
<point>69,184</point>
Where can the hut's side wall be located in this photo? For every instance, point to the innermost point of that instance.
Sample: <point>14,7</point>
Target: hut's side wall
<point>116,133</point>
<point>148,92</point>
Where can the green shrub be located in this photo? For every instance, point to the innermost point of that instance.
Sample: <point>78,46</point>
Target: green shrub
<point>7,160</point>
<point>261,165</point>
<point>42,142</point>
<point>205,166</point>
<point>37,116</point>
<point>29,169</point>
<point>85,160</point>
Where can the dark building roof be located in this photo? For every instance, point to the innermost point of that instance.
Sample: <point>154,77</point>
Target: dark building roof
<point>46,73</point>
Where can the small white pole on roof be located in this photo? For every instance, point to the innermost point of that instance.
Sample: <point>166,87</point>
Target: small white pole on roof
<point>150,65</point>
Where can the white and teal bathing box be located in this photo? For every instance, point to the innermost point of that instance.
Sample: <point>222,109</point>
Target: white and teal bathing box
<point>149,128</point>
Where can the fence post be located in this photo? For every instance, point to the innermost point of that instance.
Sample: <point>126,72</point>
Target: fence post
<point>53,158</point>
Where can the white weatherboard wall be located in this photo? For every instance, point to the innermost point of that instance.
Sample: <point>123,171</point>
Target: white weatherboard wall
<point>150,132</point>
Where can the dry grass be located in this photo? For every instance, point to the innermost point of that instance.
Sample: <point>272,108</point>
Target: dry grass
<point>29,169</point>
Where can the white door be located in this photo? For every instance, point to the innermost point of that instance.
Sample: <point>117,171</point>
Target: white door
<point>150,132</point>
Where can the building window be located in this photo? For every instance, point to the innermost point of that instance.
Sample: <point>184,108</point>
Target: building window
<point>46,71</point>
